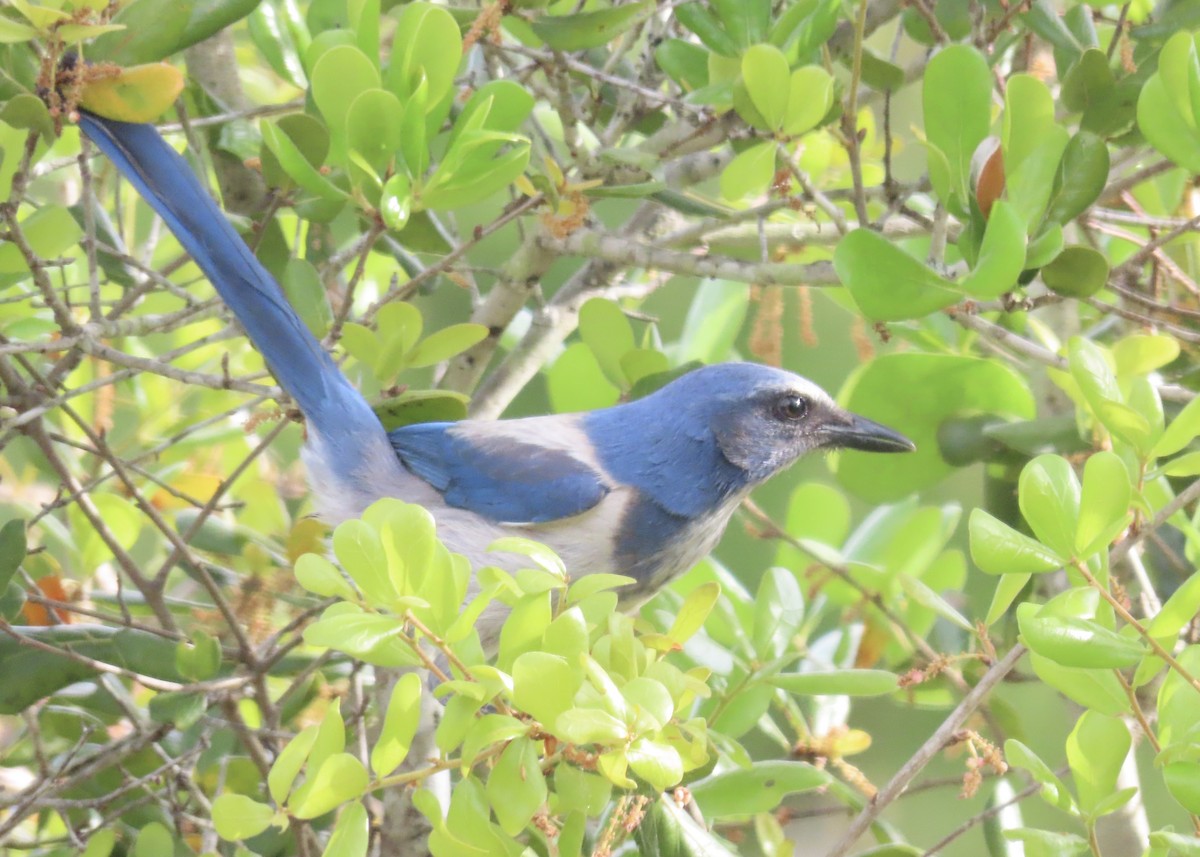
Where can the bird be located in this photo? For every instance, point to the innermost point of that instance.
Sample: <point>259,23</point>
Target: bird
<point>644,488</point>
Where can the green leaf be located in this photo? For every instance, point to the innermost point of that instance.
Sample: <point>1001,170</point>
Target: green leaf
<point>320,577</point>
<point>516,787</point>
<point>1033,147</point>
<point>200,659</point>
<point>1103,504</point>
<point>236,816</point>
<point>778,613</point>
<point>711,32</point>
<point>841,682</point>
<point>340,778</point>
<point>714,319</point>
<point>999,549</point>
<point>1181,431</point>
<point>1183,782</point>
<point>154,29</point>
<point>1008,587</point>
<point>927,597</point>
<point>584,30</point>
<point>288,763</point>
<point>1178,611</point>
<point>1053,790</point>
<point>1047,843</point>
<point>590,726</point>
<point>361,553</point>
<point>606,330</point>
<point>1096,749</point>
<point>544,685</point>
<point>427,48</point>
<point>684,62</point>
<point>100,842</point>
<point>760,788</point>
<point>1048,492</point>
<point>1077,272</point>
<point>153,840</point>
<point>488,731</point>
<point>887,283</point>
<point>50,232</point>
<point>14,32</point>
<point>694,611</point>
<point>765,73</point>
<point>1142,353</point>
<point>1096,689</point>
<point>351,835</point>
<point>1045,247</point>
<point>957,99</point>
<point>446,343</point>
<point>1082,174</point>
<point>373,126</point>
<point>1077,643</point>
<point>296,165</point>
<point>340,75</point>
<point>750,172</point>
<point>12,550</point>
<point>576,382</point>
<point>306,293</point>
<point>810,96</point>
<point>1001,256</point>
<point>656,763</point>
<point>355,633</point>
<point>399,725</point>
<point>877,72</point>
<point>1165,113</point>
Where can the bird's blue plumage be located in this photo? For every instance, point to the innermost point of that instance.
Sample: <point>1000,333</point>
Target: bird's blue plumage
<point>504,480</point>
<point>642,488</point>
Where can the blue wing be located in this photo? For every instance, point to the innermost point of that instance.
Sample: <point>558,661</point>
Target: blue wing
<point>501,478</point>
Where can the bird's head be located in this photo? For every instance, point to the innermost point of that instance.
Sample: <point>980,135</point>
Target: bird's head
<point>763,419</point>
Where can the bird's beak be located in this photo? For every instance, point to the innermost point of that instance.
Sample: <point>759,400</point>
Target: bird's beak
<point>850,431</point>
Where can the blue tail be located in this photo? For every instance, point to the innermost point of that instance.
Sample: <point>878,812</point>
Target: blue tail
<point>336,410</point>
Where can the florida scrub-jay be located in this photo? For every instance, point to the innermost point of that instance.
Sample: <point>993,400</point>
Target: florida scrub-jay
<point>643,488</point>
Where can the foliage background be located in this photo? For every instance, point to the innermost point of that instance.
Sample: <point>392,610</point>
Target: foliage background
<point>663,169</point>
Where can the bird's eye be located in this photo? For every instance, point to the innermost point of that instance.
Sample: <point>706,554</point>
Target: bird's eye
<point>792,407</point>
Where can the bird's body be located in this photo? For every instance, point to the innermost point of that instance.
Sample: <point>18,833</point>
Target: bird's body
<point>644,488</point>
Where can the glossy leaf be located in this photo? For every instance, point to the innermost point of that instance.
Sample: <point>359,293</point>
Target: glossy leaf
<point>351,835</point>
<point>887,283</point>
<point>288,763</point>
<point>957,97</point>
<point>1001,257</point>
<point>756,789</point>
<point>765,73</point>
<point>583,30</point>
<point>999,549</point>
<point>339,779</point>
<point>830,682</point>
<point>750,172</point>
<point>1077,272</point>
<point>1096,750</point>
<point>399,725</point>
<point>1077,642</point>
<point>516,787</point>
<point>1104,502</point>
<point>236,816</point>
<point>1048,492</point>
<point>50,232</point>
